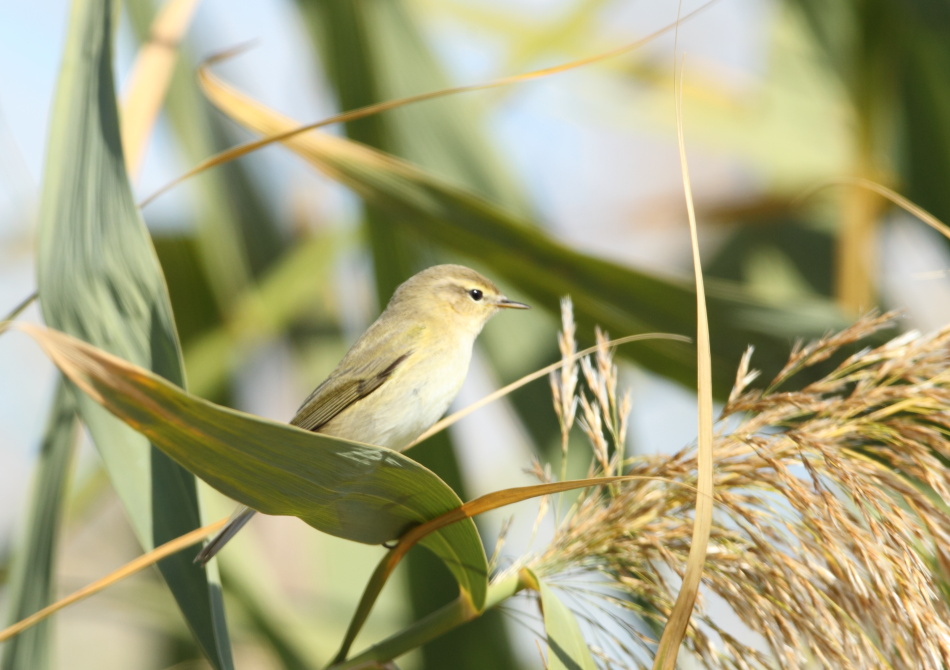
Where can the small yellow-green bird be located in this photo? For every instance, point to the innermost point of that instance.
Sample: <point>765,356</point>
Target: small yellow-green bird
<point>402,374</point>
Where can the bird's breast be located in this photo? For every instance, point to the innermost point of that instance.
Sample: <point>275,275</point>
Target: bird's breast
<point>417,394</point>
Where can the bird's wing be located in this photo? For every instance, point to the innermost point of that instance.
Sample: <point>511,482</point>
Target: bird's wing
<point>342,389</point>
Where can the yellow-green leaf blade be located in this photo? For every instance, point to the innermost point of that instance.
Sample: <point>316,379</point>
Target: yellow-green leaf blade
<point>354,491</point>
<point>567,649</point>
<point>31,579</point>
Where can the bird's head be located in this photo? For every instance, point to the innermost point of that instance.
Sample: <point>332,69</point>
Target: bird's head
<point>452,295</point>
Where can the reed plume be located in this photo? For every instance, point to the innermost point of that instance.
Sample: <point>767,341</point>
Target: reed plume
<point>831,527</point>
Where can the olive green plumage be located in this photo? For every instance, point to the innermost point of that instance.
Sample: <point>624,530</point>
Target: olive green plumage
<point>402,374</point>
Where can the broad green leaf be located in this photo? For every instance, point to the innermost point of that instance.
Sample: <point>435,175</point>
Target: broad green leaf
<point>99,280</point>
<point>567,649</point>
<point>31,579</point>
<point>354,491</point>
<point>617,298</point>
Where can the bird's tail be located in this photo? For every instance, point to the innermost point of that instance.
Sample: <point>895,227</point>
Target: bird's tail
<point>240,517</point>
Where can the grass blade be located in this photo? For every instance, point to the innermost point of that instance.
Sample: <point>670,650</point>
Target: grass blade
<point>675,629</point>
<point>99,279</point>
<point>31,579</point>
<point>567,649</point>
<point>354,491</point>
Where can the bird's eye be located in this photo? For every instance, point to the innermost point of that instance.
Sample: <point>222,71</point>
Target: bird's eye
<point>476,294</point>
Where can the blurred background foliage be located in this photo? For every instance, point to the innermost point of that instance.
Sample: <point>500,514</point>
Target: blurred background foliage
<point>273,269</point>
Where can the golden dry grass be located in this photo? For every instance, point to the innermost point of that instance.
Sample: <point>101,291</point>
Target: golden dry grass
<point>831,520</point>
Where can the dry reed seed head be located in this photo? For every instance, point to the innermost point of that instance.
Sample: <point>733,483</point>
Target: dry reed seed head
<point>744,375</point>
<point>830,517</point>
<point>623,417</point>
<point>566,378</point>
<point>806,355</point>
<point>567,341</point>
<point>605,412</point>
<point>565,406</point>
<point>564,381</point>
<point>592,426</point>
<point>556,395</point>
<point>606,369</point>
<point>600,375</point>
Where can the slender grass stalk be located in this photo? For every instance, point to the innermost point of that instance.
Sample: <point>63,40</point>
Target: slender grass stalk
<point>451,616</point>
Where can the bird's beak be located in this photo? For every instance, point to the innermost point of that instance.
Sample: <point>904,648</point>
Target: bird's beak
<point>511,304</point>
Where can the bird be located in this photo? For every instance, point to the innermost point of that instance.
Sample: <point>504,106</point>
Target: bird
<point>402,374</point>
